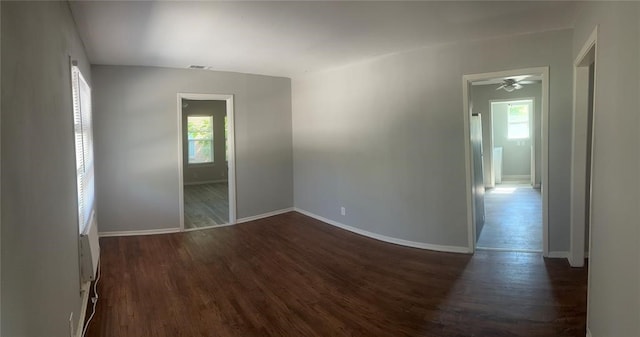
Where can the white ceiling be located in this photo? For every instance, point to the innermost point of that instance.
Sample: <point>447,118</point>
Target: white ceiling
<point>291,38</point>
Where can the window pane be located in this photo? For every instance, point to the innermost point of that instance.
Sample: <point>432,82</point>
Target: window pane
<point>518,122</point>
<point>200,138</point>
<point>518,113</point>
<point>81,94</point>
<point>519,130</point>
<point>200,151</point>
<point>200,127</point>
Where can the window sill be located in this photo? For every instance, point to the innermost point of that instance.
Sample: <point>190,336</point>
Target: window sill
<point>201,165</point>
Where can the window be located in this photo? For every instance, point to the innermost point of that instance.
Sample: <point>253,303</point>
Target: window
<point>518,121</point>
<point>84,147</point>
<point>200,138</point>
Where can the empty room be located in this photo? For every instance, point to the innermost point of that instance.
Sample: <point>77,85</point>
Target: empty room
<point>319,168</point>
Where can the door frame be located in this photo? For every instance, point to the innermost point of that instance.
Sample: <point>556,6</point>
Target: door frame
<point>231,163</point>
<point>544,158</point>
<point>588,54</point>
<point>532,138</point>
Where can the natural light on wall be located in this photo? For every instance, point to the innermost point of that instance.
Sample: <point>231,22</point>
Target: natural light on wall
<point>518,121</point>
<point>84,147</point>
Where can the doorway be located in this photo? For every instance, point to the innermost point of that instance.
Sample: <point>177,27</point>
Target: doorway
<point>582,150</point>
<point>512,204</point>
<point>207,165</point>
<point>513,198</point>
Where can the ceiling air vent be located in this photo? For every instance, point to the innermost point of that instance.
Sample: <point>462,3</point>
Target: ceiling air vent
<point>196,67</point>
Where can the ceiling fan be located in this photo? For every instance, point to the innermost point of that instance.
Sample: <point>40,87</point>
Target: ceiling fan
<point>511,84</point>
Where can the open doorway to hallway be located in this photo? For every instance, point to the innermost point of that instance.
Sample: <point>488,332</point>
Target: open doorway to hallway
<point>507,194</point>
<point>512,203</point>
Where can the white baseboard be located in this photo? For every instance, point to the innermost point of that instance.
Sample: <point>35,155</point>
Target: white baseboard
<point>242,220</point>
<point>177,230</point>
<point>578,265</point>
<point>573,264</point>
<point>265,215</point>
<point>558,255</point>
<point>206,182</point>
<point>508,178</point>
<point>142,232</point>
<point>85,289</point>
<point>207,227</point>
<point>401,242</point>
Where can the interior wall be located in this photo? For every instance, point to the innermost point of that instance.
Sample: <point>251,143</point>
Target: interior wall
<point>40,273</point>
<point>385,137</point>
<point>218,170</point>
<point>136,136</point>
<point>481,96</point>
<point>614,280</point>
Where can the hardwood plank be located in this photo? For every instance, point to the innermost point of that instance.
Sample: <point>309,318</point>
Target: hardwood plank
<point>206,205</point>
<point>513,218</point>
<point>291,275</point>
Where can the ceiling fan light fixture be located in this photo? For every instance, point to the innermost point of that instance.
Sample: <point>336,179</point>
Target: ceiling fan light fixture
<point>510,85</point>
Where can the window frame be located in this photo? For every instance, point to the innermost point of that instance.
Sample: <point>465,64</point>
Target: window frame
<point>211,140</point>
<point>81,95</point>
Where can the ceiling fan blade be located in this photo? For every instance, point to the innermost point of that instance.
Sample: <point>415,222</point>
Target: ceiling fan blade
<point>527,82</point>
<point>517,78</point>
<point>500,87</point>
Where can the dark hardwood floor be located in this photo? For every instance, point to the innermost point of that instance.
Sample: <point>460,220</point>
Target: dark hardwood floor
<point>206,205</point>
<point>291,275</point>
<point>513,218</point>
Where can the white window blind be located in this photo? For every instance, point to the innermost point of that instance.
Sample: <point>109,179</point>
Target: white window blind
<point>84,147</point>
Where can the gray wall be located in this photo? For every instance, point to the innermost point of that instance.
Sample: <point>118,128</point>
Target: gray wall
<point>40,274</point>
<point>481,95</point>
<point>614,283</point>
<point>385,138</point>
<point>216,171</point>
<point>136,136</point>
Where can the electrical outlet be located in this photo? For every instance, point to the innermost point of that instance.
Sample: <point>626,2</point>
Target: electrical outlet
<point>71,325</point>
<point>343,211</point>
